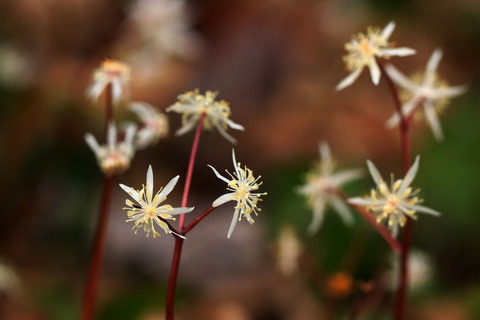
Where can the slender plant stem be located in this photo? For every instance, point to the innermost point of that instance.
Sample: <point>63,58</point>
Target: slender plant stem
<point>197,220</point>
<point>91,289</point>
<point>400,302</point>
<point>177,251</point>
<point>380,228</point>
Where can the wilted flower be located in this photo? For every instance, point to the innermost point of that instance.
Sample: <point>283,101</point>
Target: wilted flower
<point>288,251</point>
<point>155,124</point>
<point>363,51</point>
<point>241,184</point>
<point>114,157</point>
<point>395,203</point>
<point>321,187</point>
<point>192,105</point>
<point>148,211</point>
<point>112,72</point>
<point>425,90</point>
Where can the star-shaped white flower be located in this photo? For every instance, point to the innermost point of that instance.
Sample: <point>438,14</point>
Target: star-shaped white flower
<point>115,156</point>
<point>192,105</point>
<point>321,186</point>
<point>425,89</point>
<point>363,51</point>
<point>394,203</point>
<point>155,124</point>
<point>111,72</point>
<point>147,211</point>
<point>241,185</point>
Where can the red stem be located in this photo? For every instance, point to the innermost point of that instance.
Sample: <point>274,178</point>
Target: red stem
<point>177,251</point>
<point>400,302</point>
<point>91,289</point>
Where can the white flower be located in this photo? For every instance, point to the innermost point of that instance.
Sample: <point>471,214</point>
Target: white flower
<point>148,211</point>
<point>425,90</point>
<point>394,203</point>
<point>155,124</point>
<point>321,186</point>
<point>115,156</point>
<point>363,51</point>
<point>112,72</point>
<point>288,251</point>
<point>241,184</point>
<point>193,105</point>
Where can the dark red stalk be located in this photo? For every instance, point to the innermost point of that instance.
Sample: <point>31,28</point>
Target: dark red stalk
<point>177,251</point>
<point>91,289</point>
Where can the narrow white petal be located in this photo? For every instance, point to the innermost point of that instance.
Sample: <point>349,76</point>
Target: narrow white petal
<point>149,186</point>
<point>400,79</point>
<point>177,211</point>
<point>95,89</point>
<point>116,91</point>
<point>234,125</point>
<point>187,127</point>
<point>222,199</point>
<point>374,71</point>
<point>224,134</point>
<point>433,120</point>
<point>347,175</point>
<point>169,187</point>
<point>142,109</point>
<point>132,192</point>
<point>219,176</point>
<point>348,80</point>
<point>424,210</point>
<point>342,210</point>
<point>318,217</point>
<point>233,223</point>
<point>235,163</point>
<point>130,134</point>
<point>432,66</point>
<point>388,30</point>
<point>92,143</point>
<point>399,52</point>
<point>364,202</point>
<point>448,92</point>
<point>111,135</point>
<point>412,172</point>
<point>377,177</point>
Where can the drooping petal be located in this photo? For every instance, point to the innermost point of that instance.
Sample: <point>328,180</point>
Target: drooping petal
<point>431,68</point>
<point>374,71</point>
<point>348,80</point>
<point>92,143</point>
<point>342,209</point>
<point>400,79</point>
<point>142,110</point>
<point>433,120</point>
<point>130,134</point>
<point>223,199</point>
<point>234,125</point>
<point>95,89</point>
<point>233,223</point>
<point>188,126</point>
<point>318,215</point>
<point>219,176</point>
<point>224,133</point>
<point>388,30</point>
<point>377,177</point>
<point>116,90</point>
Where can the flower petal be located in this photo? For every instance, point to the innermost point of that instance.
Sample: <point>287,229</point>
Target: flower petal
<point>433,120</point>
<point>224,133</point>
<point>183,210</point>
<point>233,223</point>
<point>149,186</point>
<point>400,79</point>
<point>318,215</point>
<point>223,199</point>
<point>132,192</point>
<point>169,187</point>
<point>325,152</point>
<point>348,80</point>
<point>448,92</point>
<point>388,30</point>
<point>219,176</point>
<point>111,135</point>
<point>377,177</point>
<point>92,143</point>
<point>399,52</point>
<point>374,71</point>
<point>424,210</point>
<point>412,172</point>
<point>342,210</point>
<point>431,68</point>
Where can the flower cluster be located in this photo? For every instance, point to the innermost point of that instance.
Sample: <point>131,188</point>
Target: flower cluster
<point>193,105</point>
<point>114,157</point>
<point>394,203</point>
<point>363,50</point>
<point>241,185</point>
<point>147,211</point>
<point>322,186</point>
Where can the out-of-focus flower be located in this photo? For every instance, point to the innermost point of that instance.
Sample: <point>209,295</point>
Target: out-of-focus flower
<point>420,271</point>
<point>321,187</point>
<point>165,27</point>
<point>424,89</point>
<point>339,284</point>
<point>15,67</point>
<point>115,156</point>
<point>363,51</point>
<point>148,211</point>
<point>9,280</point>
<point>241,184</point>
<point>192,105</point>
<point>155,124</point>
<point>288,251</point>
<point>394,203</point>
<point>114,73</point>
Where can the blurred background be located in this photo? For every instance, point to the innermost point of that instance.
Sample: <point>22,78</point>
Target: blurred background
<point>277,63</point>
